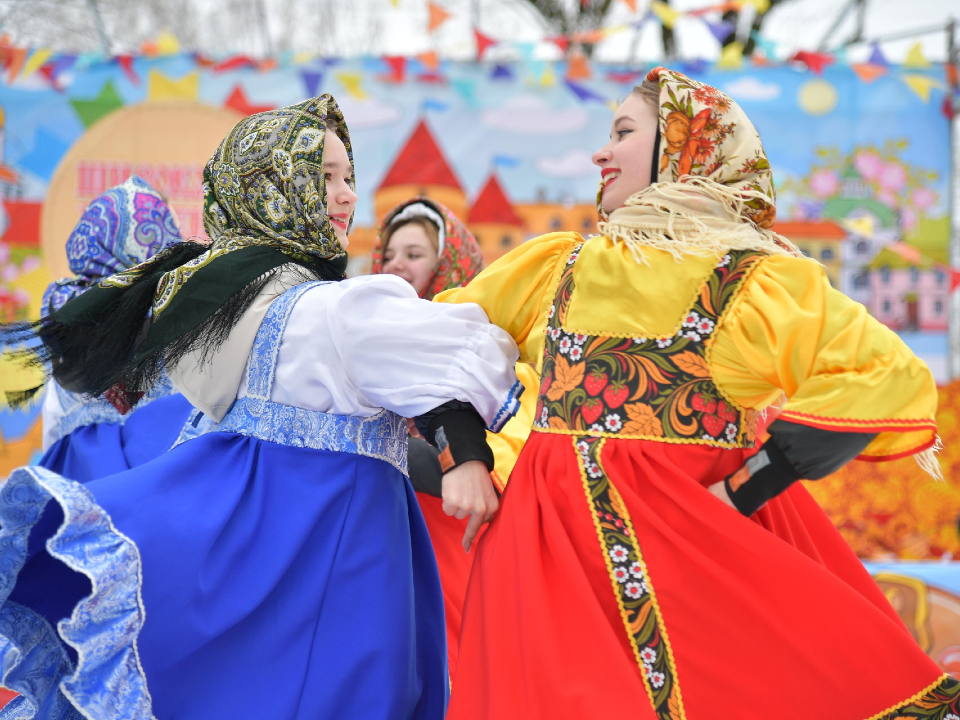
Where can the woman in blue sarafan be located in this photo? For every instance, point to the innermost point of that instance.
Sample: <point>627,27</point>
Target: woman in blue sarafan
<point>83,437</point>
<point>282,552</point>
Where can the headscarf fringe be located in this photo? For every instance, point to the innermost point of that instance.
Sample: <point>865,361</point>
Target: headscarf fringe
<point>928,462</point>
<point>665,217</point>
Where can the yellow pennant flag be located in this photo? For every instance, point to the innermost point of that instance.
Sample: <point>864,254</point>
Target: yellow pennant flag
<point>921,84</point>
<point>732,56</point>
<point>352,83</point>
<point>666,14</point>
<point>761,5</point>
<point>167,43</point>
<point>36,61</point>
<point>915,58</point>
<point>163,87</point>
<point>549,77</point>
<point>395,3</point>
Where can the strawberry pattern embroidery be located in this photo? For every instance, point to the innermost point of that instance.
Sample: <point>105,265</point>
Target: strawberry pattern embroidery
<point>651,388</point>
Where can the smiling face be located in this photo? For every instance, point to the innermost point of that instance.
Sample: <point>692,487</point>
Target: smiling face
<point>411,254</point>
<point>626,160</point>
<point>340,198</point>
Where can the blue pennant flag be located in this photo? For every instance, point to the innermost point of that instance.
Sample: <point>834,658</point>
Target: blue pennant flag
<point>501,72</point>
<point>584,93</point>
<point>721,30</point>
<point>877,58</point>
<point>311,81</point>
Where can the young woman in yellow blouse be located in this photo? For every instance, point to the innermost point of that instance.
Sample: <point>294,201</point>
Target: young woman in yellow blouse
<point>648,559</point>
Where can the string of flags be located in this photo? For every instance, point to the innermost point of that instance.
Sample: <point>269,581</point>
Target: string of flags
<point>19,63</point>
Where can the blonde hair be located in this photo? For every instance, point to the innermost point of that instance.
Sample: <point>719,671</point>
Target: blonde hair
<point>428,227</point>
<point>648,90</point>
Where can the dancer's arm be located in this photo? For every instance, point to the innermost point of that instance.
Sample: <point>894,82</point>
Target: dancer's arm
<point>842,371</point>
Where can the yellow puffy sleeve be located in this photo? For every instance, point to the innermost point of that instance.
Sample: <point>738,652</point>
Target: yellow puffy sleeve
<point>508,443</point>
<point>516,291</point>
<point>789,332</point>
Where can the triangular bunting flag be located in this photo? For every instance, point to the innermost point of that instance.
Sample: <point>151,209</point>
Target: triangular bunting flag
<point>862,226</point>
<point>234,63</point>
<point>953,75</point>
<point>921,84</point>
<point>915,58</point>
<point>397,67</point>
<point>695,66</point>
<point>466,89</point>
<point>239,102</point>
<point>352,83</point>
<point>666,14</point>
<point>17,56</point>
<point>768,47</point>
<point>167,43</point>
<point>561,41</point>
<point>623,78</point>
<point>501,72</point>
<point>438,16</point>
<point>578,67</point>
<point>268,64</point>
<point>877,58</point>
<point>429,60</point>
<point>92,110</point>
<point>126,64</point>
<point>632,4</point>
<point>432,77</point>
<point>549,77</point>
<point>868,72</point>
<point>814,61</point>
<point>37,59</point>
<point>483,43</point>
<point>583,93</point>
<point>721,30</point>
<point>311,81</point>
<point>946,107</point>
<point>731,57</point>
<point>761,6</point>
<point>163,87</point>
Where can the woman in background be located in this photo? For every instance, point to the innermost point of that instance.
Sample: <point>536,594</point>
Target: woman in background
<point>423,242</point>
<point>83,437</point>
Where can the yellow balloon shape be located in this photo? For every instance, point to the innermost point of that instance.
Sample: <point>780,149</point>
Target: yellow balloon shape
<point>817,97</point>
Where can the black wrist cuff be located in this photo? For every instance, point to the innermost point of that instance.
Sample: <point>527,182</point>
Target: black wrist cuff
<point>459,434</point>
<point>762,477</point>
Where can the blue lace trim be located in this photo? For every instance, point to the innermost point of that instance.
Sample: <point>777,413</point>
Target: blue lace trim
<point>108,681</point>
<point>509,408</point>
<point>80,410</point>
<point>382,436</point>
<point>37,662</point>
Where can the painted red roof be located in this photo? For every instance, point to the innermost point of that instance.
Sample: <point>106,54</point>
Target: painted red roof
<point>821,229</point>
<point>420,162</point>
<point>24,227</point>
<point>492,206</point>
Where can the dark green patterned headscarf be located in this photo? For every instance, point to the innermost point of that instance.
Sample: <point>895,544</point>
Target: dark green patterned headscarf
<point>265,206</point>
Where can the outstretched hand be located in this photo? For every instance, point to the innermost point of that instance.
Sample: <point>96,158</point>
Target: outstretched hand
<point>468,491</point>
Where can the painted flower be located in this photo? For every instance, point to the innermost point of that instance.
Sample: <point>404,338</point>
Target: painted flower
<point>923,198</point>
<point>594,471</point>
<point>576,352</point>
<point>763,218</point>
<point>583,447</point>
<point>553,310</point>
<point>573,257</point>
<point>633,590</point>
<point>892,176</point>
<point>951,716</point>
<point>657,679</point>
<point>731,432</point>
<point>543,417</point>
<point>613,422</point>
<point>704,96</point>
<point>664,342</point>
<point>636,570</point>
<point>580,339</point>
<point>565,345</point>
<point>555,333</point>
<point>704,326</point>
<point>824,183</point>
<point>691,320</point>
<point>618,553</point>
<point>868,164</point>
<point>701,149</point>
<point>693,336</point>
<point>620,574</point>
<point>596,428</point>
<point>721,103</point>
<point>724,261</point>
<point>677,132</point>
<point>648,656</point>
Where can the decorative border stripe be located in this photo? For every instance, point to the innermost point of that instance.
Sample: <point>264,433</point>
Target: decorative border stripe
<point>878,425</point>
<point>509,408</point>
<point>631,582</point>
<point>940,700</point>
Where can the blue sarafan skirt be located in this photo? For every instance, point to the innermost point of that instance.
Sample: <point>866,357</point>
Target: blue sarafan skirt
<point>231,577</point>
<point>105,448</point>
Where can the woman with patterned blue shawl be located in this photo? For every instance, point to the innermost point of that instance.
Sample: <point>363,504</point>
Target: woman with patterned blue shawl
<point>282,551</point>
<point>83,437</point>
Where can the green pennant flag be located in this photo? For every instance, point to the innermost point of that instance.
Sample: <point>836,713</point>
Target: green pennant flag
<point>92,110</point>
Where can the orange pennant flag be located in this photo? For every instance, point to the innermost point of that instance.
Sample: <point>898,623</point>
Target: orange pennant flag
<point>632,4</point>
<point>868,72</point>
<point>438,16</point>
<point>429,59</point>
<point>578,67</point>
<point>18,56</point>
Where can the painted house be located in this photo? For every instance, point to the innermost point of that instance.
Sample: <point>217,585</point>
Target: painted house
<point>909,291</point>
<point>821,240</point>
<point>494,222</point>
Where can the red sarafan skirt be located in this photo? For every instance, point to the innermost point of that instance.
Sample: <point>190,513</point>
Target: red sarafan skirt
<point>446,534</point>
<point>612,584</point>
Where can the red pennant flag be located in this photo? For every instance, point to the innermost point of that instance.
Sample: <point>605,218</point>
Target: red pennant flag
<point>398,69</point>
<point>813,60</point>
<point>239,102</point>
<point>954,279</point>
<point>947,107</point>
<point>234,63</point>
<point>126,64</point>
<point>483,43</point>
<point>203,61</point>
<point>47,72</point>
<point>561,41</point>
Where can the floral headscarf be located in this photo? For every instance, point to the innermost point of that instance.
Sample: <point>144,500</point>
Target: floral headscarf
<point>124,227</point>
<point>714,189</point>
<point>460,256</point>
